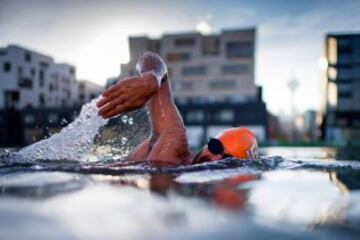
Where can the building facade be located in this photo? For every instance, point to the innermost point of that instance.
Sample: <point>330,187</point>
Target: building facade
<point>212,78</point>
<point>29,79</point>
<point>341,88</point>
<point>215,68</point>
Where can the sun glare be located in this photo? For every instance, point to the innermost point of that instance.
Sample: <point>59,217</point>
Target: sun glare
<point>203,27</point>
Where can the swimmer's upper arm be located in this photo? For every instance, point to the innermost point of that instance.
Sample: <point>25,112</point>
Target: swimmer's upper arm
<point>141,152</point>
<point>172,149</point>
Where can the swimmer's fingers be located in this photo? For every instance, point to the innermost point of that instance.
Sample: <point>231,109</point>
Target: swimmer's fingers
<point>118,86</point>
<point>116,111</point>
<point>109,98</point>
<point>112,89</point>
<point>115,91</point>
<point>112,105</point>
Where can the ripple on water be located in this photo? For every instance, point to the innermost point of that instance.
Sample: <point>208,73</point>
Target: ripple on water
<point>39,184</point>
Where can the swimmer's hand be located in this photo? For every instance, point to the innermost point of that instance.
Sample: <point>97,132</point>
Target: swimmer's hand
<point>127,95</point>
<point>151,62</point>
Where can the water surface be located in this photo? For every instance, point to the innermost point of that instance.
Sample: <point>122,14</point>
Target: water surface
<point>66,187</point>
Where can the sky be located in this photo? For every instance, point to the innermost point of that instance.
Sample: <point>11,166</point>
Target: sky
<point>93,35</point>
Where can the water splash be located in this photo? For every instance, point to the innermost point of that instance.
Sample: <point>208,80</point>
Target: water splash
<point>90,138</point>
<point>72,142</point>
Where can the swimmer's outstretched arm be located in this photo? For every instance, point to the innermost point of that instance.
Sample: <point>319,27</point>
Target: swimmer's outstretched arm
<point>134,92</point>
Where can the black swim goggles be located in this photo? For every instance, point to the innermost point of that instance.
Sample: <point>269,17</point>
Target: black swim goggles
<point>216,147</point>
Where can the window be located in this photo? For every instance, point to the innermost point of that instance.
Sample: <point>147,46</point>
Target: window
<point>187,85</point>
<point>178,57</point>
<point>345,94</point>
<point>154,45</point>
<point>72,71</point>
<point>235,69</point>
<point>7,66</point>
<point>82,86</point>
<point>184,42</point>
<point>195,116</point>
<point>224,116</point>
<point>44,64</point>
<point>11,97</point>
<point>20,71</point>
<point>210,46</point>
<point>344,45</point>
<point>170,72</point>
<point>41,100</point>
<point>239,49</point>
<point>194,70</point>
<point>41,78</point>
<point>223,84</point>
<point>29,119</point>
<point>342,122</point>
<point>25,82</point>
<point>33,72</point>
<point>27,57</point>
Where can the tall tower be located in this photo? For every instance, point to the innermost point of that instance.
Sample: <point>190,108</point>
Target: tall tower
<point>293,85</point>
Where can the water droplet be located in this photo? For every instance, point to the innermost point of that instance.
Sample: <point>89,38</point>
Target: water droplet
<point>124,119</point>
<point>131,121</point>
<point>124,140</point>
<point>64,121</point>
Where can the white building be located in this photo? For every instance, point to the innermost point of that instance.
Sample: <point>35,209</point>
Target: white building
<point>204,68</point>
<point>31,79</point>
<point>88,91</point>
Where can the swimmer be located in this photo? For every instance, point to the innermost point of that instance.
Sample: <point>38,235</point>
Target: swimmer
<point>167,144</point>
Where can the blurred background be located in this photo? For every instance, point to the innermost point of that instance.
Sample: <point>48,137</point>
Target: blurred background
<point>290,71</point>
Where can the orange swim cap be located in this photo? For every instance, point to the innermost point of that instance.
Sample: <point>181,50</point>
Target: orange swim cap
<point>239,142</point>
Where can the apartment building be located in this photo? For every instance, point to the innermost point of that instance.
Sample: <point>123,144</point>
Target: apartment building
<point>29,79</point>
<point>212,78</point>
<point>341,88</point>
<point>202,68</point>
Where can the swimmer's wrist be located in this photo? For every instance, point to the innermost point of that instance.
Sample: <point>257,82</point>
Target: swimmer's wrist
<point>152,78</point>
<point>152,74</point>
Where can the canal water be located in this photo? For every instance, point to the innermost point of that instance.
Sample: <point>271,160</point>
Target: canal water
<point>66,187</point>
<point>304,194</point>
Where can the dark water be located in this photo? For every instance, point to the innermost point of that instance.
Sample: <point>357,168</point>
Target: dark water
<point>305,194</point>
